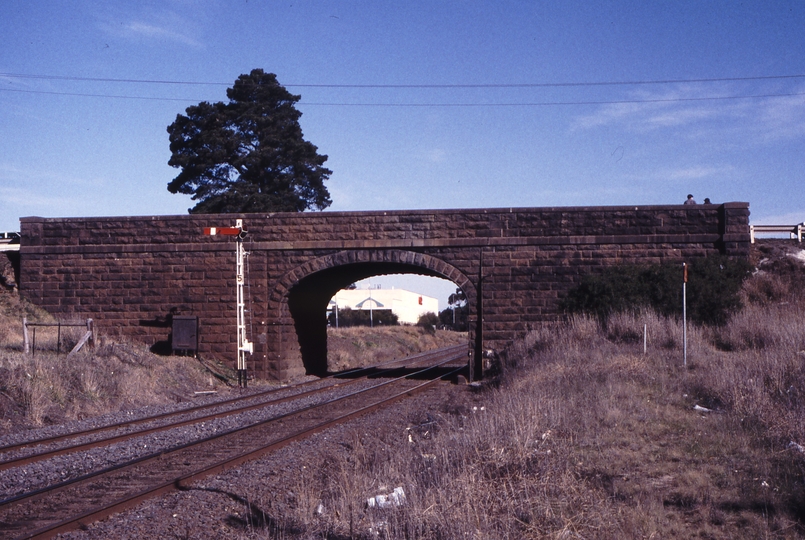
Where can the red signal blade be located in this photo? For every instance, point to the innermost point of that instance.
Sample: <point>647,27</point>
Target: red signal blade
<point>224,231</point>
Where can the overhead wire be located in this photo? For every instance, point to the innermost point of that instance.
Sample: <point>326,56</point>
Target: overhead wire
<point>522,104</point>
<point>81,94</point>
<point>428,86</point>
<point>558,103</point>
<point>493,85</point>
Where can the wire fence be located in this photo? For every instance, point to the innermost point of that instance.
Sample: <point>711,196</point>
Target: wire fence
<point>29,344</point>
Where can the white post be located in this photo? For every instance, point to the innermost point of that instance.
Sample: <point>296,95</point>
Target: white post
<point>684,315</point>
<point>91,330</point>
<point>26,343</point>
<point>645,334</point>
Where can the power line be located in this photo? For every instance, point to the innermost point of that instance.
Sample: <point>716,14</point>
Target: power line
<point>551,85</point>
<point>101,79</point>
<point>112,96</point>
<point>523,104</point>
<point>414,86</point>
<point>556,103</point>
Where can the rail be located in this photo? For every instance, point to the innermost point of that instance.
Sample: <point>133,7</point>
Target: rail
<point>232,447</point>
<point>794,230</point>
<point>374,371</point>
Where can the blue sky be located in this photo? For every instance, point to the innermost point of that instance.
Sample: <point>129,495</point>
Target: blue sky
<point>454,104</point>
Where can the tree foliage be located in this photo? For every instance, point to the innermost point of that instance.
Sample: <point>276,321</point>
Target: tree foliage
<point>455,318</point>
<point>456,315</point>
<point>458,298</point>
<point>428,321</point>
<point>712,292</point>
<point>248,155</point>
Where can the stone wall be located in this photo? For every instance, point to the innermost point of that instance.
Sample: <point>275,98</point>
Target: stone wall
<point>133,274</point>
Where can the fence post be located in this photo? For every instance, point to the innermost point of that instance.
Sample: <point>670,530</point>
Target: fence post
<point>26,344</point>
<point>645,337</point>
<point>91,330</point>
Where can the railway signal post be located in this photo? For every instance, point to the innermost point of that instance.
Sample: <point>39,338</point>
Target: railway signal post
<point>244,345</point>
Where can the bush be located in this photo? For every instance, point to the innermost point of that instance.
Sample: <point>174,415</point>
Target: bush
<point>713,288</point>
<point>428,321</point>
<point>461,314</point>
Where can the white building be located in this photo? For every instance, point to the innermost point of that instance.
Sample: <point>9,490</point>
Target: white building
<point>407,305</point>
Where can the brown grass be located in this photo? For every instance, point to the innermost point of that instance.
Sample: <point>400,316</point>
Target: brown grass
<point>360,346</point>
<point>588,437</point>
<point>46,387</point>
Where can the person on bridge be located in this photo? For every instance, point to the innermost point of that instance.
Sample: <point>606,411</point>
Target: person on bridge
<point>690,200</point>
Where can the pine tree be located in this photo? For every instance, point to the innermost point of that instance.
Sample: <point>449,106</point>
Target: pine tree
<point>248,155</point>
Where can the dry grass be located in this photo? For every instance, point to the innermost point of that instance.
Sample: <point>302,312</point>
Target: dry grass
<point>47,388</point>
<point>588,437</point>
<point>361,346</point>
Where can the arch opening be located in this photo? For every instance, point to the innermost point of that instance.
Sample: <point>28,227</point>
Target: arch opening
<point>308,300</point>
<point>389,299</point>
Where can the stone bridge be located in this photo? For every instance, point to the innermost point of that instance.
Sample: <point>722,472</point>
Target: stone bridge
<point>132,275</point>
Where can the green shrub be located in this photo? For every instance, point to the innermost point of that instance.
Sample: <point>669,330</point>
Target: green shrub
<point>428,321</point>
<point>713,290</point>
<point>455,319</point>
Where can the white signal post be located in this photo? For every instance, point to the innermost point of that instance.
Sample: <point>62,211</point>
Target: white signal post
<point>244,345</point>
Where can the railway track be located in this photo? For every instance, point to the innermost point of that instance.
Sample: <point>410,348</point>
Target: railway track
<point>26,452</point>
<point>65,505</point>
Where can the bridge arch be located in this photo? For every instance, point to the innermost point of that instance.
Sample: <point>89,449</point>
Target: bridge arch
<point>300,298</point>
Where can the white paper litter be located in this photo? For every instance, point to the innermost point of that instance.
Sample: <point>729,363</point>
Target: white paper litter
<point>395,498</point>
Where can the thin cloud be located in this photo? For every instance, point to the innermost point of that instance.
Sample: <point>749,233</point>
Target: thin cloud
<point>660,110</point>
<point>696,173</point>
<point>783,118</point>
<point>763,119</point>
<point>152,31</point>
<point>436,155</point>
<point>686,174</point>
<point>343,196</point>
<point>791,218</point>
<point>43,179</point>
<point>20,198</point>
<point>153,26</point>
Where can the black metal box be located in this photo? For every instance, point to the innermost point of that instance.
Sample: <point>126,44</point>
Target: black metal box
<point>185,333</point>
